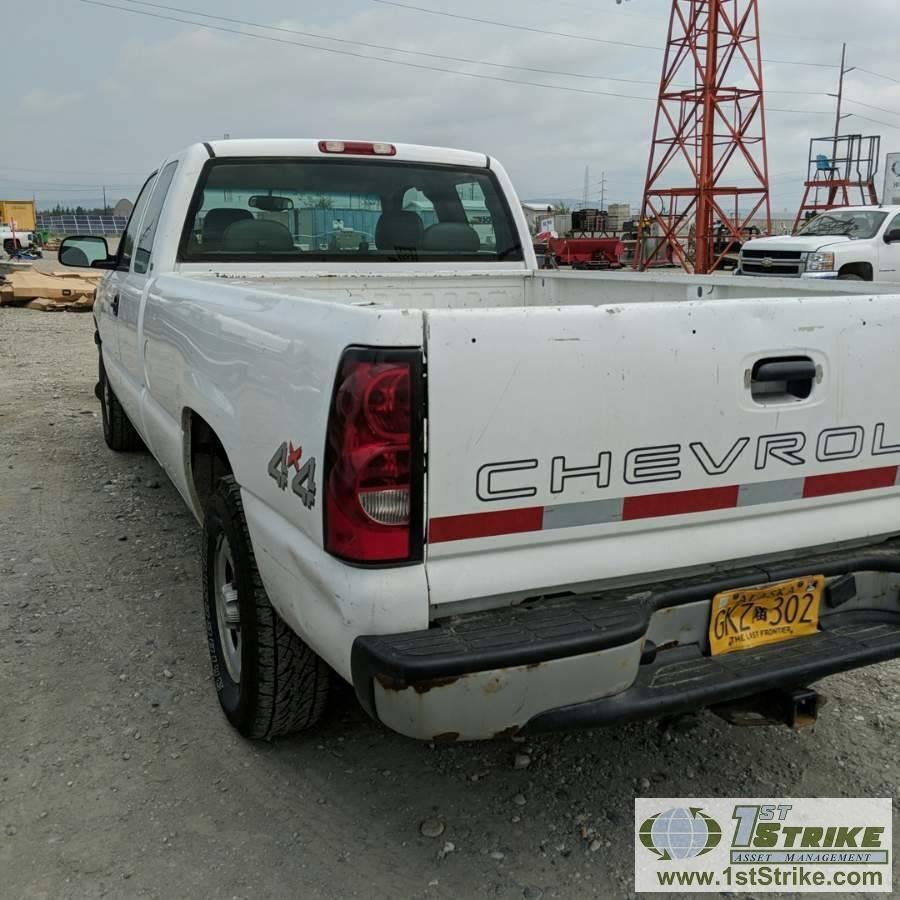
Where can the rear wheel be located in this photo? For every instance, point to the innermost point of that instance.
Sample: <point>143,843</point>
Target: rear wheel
<point>118,432</point>
<point>268,680</point>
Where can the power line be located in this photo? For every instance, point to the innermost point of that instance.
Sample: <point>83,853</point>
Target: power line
<point>518,27</point>
<point>664,19</point>
<point>4,168</point>
<point>395,62</point>
<point>878,75</point>
<point>630,15</point>
<point>55,190</point>
<point>794,62</point>
<point>429,54</point>
<point>803,112</point>
<point>869,106</point>
<point>875,121</point>
<point>566,34</point>
<point>68,185</point>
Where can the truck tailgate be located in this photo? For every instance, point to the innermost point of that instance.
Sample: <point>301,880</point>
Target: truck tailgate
<point>570,446</point>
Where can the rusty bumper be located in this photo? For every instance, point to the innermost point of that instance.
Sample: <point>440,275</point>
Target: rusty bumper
<point>606,657</point>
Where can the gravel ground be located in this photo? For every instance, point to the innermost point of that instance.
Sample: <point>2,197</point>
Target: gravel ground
<point>119,777</point>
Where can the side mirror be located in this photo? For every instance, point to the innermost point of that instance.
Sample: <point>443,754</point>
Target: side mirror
<point>86,252</point>
<point>892,236</point>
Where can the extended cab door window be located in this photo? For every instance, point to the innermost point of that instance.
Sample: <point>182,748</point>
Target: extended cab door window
<point>126,245</point>
<point>476,212</point>
<point>151,219</point>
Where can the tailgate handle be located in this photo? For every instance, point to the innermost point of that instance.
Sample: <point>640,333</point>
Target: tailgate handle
<point>783,378</point>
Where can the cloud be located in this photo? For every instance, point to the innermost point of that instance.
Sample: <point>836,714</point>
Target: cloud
<point>46,102</point>
<point>160,85</point>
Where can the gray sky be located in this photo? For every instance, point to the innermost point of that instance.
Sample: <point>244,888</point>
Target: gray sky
<point>95,96</point>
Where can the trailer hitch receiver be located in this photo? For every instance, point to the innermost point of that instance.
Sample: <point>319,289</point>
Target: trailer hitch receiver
<point>797,708</point>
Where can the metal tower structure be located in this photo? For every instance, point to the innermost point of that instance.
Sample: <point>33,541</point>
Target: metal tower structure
<point>840,172</point>
<point>708,173</point>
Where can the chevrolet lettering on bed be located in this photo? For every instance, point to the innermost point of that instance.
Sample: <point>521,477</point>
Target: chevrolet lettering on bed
<point>516,479</point>
<point>494,498</point>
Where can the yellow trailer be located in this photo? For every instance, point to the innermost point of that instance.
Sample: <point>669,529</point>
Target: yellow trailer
<point>19,211</point>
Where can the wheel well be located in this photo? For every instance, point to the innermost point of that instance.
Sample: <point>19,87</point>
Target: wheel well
<point>863,269</point>
<point>208,460</point>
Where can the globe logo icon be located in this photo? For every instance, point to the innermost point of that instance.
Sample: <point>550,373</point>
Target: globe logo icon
<point>681,833</point>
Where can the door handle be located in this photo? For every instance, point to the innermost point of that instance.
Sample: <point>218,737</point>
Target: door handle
<point>782,378</point>
<point>115,305</point>
<point>799,369</point>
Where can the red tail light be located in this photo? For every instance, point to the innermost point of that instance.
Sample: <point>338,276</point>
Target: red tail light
<point>374,463</point>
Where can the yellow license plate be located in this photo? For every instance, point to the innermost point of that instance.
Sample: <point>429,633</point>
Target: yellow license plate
<point>744,619</point>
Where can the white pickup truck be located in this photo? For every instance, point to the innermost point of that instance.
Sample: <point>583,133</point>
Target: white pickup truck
<point>859,243</point>
<point>12,241</point>
<point>495,499</point>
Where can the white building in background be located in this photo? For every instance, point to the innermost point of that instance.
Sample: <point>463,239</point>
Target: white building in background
<point>535,213</point>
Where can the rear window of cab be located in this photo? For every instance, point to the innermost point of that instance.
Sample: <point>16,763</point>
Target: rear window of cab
<point>331,210</point>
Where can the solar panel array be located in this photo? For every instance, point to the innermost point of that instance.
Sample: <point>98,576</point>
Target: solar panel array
<point>72,224</point>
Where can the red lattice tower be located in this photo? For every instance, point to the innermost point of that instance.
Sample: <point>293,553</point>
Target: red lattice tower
<point>708,174</point>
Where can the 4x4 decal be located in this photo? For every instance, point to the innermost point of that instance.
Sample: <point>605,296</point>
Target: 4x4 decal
<point>303,483</point>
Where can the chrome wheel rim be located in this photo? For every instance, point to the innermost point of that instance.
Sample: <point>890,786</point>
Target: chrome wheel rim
<point>228,613</point>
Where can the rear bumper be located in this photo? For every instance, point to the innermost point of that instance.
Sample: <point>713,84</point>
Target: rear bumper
<point>618,656</point>
<point>683,678</point>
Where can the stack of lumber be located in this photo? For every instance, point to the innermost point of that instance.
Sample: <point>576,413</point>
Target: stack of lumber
<point>57,291</point>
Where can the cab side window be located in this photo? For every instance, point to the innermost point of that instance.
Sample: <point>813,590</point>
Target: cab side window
<point>151,219</point>
<point>474,204</point>
<point>415,201</point>
<point>126,244</point>
<point>893,225</point>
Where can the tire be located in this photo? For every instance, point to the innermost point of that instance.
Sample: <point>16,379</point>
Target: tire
<point>268,680</point>
<point>850,276</point>
<point>118,432</point>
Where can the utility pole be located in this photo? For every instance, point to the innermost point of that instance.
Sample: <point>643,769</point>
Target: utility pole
<point>105,205</point>
<point>602,191</point>
<point>840,93</point>
<point>839,96</point>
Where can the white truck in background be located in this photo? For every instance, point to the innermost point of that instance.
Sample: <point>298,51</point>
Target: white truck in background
<point>858,243</point>
<point>12,241</point>
<point>494,499</point>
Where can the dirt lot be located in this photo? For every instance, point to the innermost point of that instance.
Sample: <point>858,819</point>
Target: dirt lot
<point>120,778</point>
